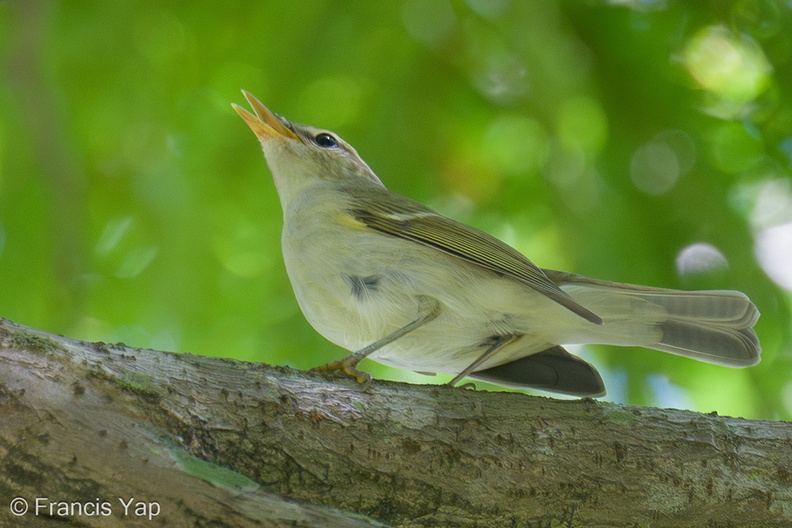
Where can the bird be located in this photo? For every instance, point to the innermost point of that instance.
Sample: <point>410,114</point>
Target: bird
<point>392,280</point>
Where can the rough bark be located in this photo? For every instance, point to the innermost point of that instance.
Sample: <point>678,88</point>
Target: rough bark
<point>217,442</point>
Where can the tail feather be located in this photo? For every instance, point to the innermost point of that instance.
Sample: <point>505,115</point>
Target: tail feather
<point>727,307</point>
<point>731,347</point>
<point>713,326</point>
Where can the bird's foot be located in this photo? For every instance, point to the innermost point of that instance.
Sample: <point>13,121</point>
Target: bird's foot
<point>346,366</point>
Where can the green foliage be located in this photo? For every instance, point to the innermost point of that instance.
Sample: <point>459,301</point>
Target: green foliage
<point>640,141</point>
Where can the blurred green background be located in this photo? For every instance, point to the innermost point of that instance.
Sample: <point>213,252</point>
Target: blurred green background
<point>639,141</point>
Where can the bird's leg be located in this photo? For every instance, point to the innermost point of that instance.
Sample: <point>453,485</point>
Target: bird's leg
<point>497,343</point>
<point>428,310</point>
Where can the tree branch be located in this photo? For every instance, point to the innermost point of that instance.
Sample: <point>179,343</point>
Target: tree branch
<point>227,443</point>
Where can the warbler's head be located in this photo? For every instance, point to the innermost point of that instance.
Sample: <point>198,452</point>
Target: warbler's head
<point>298,154</point>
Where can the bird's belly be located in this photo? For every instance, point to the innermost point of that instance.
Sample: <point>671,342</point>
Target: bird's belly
<point>339,307</point>
<point>446,344</point>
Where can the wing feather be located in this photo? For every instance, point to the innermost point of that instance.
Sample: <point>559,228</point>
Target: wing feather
<point>403,218</point>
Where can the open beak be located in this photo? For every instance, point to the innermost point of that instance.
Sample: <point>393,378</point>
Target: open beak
<point>265,124</point>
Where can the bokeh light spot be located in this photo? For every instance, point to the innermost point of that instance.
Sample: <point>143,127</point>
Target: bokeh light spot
<point>771,220</point>
<point>517,144</point>
<point>774,253</point>
<point>582,123</point>
<point>730,66</point>
<point>772,203</point>
<point>654,168</point>
<point>700,258</point>
<point>114,230</point>
<point>135,261</point>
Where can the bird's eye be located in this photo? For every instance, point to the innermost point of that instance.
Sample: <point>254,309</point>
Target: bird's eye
<point>325,140</point>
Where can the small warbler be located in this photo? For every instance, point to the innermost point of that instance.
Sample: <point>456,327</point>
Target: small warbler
<point>392,280</point>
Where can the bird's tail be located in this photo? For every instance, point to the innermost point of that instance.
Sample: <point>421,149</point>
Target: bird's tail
<point>715,326</point>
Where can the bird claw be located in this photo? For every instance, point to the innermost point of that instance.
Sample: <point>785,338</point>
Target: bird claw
<point>347,368</point>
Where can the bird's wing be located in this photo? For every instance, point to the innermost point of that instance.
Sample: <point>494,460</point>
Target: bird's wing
<point>400,217</point>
